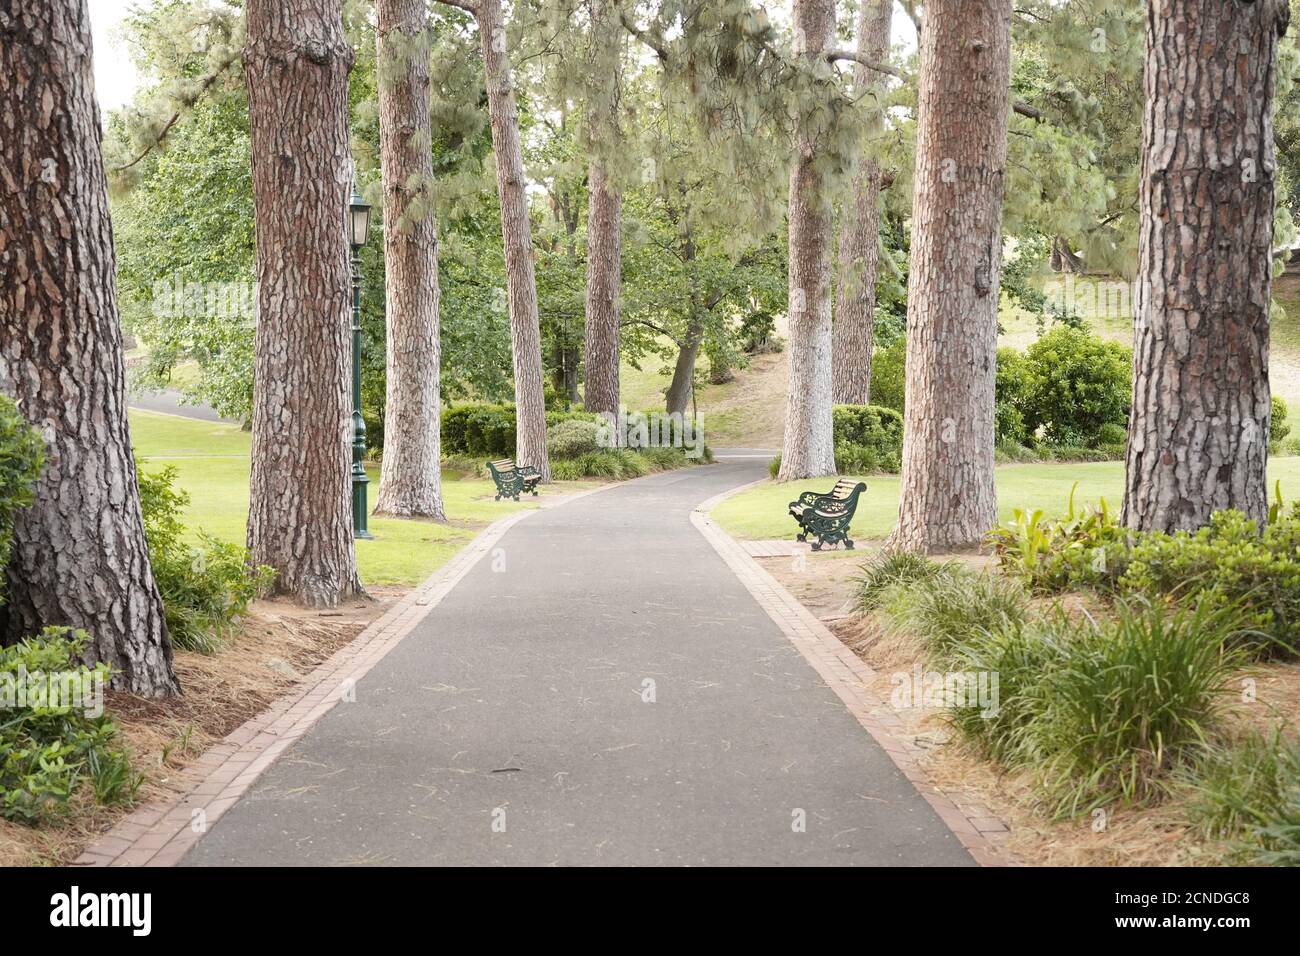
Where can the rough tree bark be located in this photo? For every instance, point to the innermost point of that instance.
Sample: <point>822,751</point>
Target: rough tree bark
<point>809,446</point>
<point>1198,432</point>
<point>947,496</point>
<point>855,317</point>
<point>410,482</point>
<point>604,218</point>
<point>296,63</point>
<point>80,557</point>
<point>525,328</point>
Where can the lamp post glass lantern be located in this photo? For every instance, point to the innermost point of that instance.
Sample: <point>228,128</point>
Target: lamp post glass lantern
<point>358,233</point>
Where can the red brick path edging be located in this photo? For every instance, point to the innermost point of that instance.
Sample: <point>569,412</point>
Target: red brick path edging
<point>850,677</point>
<point>159,833</point>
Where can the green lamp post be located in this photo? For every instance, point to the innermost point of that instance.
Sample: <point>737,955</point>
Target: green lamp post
<point>358,233</point>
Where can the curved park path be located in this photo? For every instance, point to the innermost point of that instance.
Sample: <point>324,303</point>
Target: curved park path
<point>512,725</point>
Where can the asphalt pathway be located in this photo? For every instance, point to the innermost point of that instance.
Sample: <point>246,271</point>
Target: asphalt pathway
<point>599,689</point>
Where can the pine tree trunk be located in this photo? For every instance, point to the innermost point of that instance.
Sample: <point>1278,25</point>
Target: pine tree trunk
<point>947,496</point>
<point>1198,433</point>
<point>809,447</point>
<point>525,328</point>
<point>604,224</point>
<point>80,557</point>
<point>855,317</point>
<point>296,64</point>
<point>604,218</point>
<point>410,483</point>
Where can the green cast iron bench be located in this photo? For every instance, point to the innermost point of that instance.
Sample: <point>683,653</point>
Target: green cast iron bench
<point>826,515</point>
<point>513,480</point>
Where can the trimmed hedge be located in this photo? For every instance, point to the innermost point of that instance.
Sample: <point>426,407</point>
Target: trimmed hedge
<point>868,439</point>
<point>479,429</point>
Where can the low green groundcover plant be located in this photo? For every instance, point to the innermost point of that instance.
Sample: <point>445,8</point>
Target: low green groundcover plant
<point>890,569</point>
<point>1099,710</point>
<point>953,603</point>
<point>1247,791</point>
<point>1087,546</point>
<point>205,587</point>
<point>48,752</point>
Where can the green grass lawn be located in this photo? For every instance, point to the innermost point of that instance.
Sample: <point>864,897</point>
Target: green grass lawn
<point>212,462</point>
<point>761,512</point>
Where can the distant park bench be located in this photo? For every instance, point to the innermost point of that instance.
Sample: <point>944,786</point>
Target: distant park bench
<point>826,516</point>
<point>512,480</point>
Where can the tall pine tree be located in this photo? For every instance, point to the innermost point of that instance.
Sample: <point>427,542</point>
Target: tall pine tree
<point>947,497</point>
<point>410,482</point>
<point>80,557</point>
<point>1199,428</point>
<point>296,66</point>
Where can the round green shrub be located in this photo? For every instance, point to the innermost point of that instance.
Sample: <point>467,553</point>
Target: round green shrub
<point>1012,394</point>
<point>572,438</point>
<point>1112,433</point>
<point>1076,383</point>
<point>1279,428</point>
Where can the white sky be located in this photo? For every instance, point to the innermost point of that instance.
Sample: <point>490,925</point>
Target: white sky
<point>115,75</point>
<point>116,78</point>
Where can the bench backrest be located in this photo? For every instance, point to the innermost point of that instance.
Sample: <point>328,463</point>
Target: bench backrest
<point>505,464</point>
<point>843,489</point>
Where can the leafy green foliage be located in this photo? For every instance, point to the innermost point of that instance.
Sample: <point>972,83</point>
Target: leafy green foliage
<point>758,333</point>
<point>1010,397</point>
<point>22,455</point>
<point>1229,562</point>
<point>1066,397</point>
<point>1279,428</point>
<point>204,588</point>
<point>482,429</point>
<point>868,439</point>
<point>1131,699</point>
<point>571,438</point>
<point>1074,385</point>
<point>47,752</point>
<point>1086,547</point>
<point>1098,710</point>
<point>888,375</point>
<point>618,464</point>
